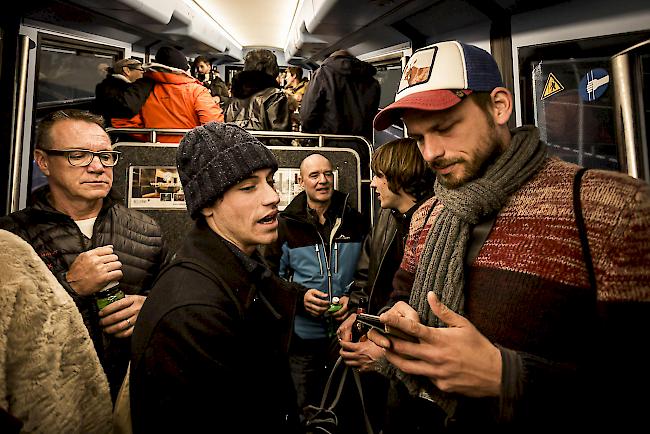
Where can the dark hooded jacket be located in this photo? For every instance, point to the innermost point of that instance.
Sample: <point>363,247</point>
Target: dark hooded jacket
<point>342,98</point>
<point>116,97</point>
<point>136,240</point>
<point>209,351</point>
<point>177,100</point>
<point>258,103</point>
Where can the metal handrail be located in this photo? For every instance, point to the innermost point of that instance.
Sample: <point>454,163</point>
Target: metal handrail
<point>153,134</point>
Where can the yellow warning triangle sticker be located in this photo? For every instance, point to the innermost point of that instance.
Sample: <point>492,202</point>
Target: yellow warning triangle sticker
<point>552,86</point>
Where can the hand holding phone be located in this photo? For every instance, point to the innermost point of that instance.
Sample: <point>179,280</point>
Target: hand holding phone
<point>372,321</point>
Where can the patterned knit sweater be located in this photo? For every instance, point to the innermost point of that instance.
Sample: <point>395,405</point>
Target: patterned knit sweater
<point>528,290</point>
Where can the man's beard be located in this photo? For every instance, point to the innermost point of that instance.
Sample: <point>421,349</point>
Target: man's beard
<point>475,168</point>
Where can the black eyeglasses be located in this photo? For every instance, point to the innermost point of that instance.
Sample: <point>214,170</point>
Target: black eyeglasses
<point>137,69</point>
<point>83,157</point>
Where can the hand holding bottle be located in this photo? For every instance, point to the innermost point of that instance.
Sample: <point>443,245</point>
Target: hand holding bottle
<point>92,270</point>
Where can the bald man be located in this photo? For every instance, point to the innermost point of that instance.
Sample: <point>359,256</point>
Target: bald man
<point>319,242</point>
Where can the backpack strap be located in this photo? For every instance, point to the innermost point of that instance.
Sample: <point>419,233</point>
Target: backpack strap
<point>582,229</point>
<point>326,392</point>
<point>477,237</point>
<point>339,390</point>
<point>357,380</point>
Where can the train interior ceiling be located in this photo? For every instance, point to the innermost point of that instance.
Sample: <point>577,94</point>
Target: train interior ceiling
<point>53,51</point>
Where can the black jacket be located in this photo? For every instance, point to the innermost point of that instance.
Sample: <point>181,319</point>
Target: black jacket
<point>209,348</point>
<point>380,258</point>
<point>373,276</point>
<point>258,103</point>
<point>56,238</point>
<point>117,98</point>
<point>342,98</point>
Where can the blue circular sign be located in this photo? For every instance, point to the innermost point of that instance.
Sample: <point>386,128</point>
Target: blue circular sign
<point>594,84</point>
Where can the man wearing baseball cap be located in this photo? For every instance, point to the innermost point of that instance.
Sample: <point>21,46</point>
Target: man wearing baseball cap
<point>209,354</point>
<point>507,295</point>
<point>123,92</point>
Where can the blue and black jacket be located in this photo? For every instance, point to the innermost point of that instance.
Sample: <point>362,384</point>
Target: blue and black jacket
<point>303,254</point>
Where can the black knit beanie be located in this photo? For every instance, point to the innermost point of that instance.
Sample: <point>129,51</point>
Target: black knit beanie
<point>170,56</point>
<point>214,157</point>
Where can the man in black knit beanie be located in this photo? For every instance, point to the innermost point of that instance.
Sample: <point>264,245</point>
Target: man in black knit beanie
<point>211,345</point>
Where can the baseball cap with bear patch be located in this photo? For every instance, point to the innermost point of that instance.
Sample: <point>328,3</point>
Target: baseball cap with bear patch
<point>440,76</point>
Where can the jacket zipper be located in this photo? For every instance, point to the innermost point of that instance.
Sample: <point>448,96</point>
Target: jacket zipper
<point>320,263</point>
<point>336,258</point>
<point>334,246</point>
<point>337,224</point>
<point>327,264</point>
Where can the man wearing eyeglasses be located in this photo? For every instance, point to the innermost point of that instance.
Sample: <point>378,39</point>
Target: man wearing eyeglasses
<point>87,238</point>
<point>123,92</point>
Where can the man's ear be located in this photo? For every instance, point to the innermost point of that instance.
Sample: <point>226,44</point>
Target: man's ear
<point>502,105</point>
<point>41,160</point>
<point>209,210</point>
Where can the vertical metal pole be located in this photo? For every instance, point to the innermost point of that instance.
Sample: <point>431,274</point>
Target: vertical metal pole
<point>21,90</point>
<point>624,115</point>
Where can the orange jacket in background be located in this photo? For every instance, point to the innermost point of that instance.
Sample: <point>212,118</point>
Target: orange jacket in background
<point>177,101</point>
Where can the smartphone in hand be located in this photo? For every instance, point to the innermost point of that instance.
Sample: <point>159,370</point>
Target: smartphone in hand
<point>372,321</point>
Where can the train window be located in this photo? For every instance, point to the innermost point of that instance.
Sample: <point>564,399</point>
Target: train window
<point>574,110</point>
<point>69,70</point>
<point>388,77</point>
<point>231,70</point>
<point>572,90</point>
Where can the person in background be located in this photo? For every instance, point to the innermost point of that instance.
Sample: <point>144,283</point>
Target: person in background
<point>342,98</point>
<point>528,277</point>
<point>295,88</point>
<point>202,70</point>
<point>258,102</point>
<point>50,377</point>
<point>402,181</point>
<point>209,350</point>
<point>296,84</point>
<point>123,91</point>
<point>86,236</point>
<point>178,100</point>
<point>318,245</point>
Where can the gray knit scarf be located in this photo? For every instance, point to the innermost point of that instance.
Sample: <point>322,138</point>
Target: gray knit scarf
<point>442,263</point>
